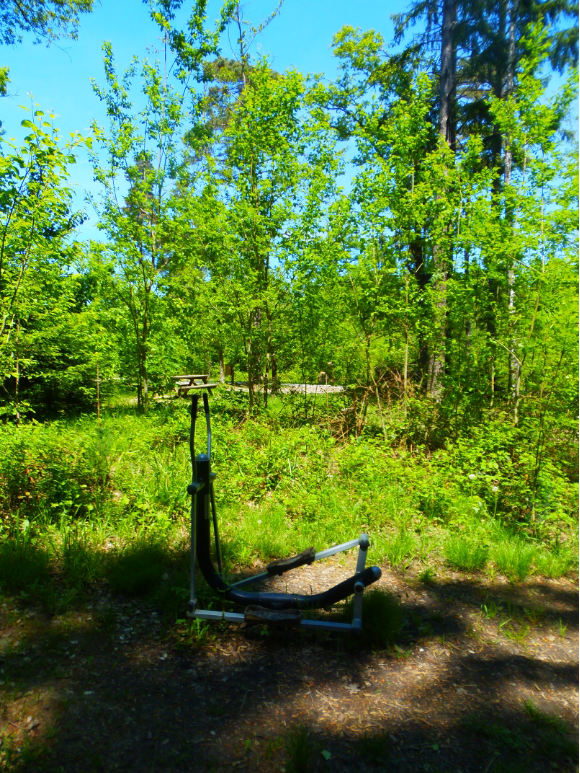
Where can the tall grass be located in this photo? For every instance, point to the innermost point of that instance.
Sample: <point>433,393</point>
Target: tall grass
<point>138,569</point>
<point>514,558</point>
<point>23,565</point>
<point>281,486</point>
<point>465,553</point>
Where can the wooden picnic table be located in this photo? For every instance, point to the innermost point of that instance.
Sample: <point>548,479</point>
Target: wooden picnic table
<point>188,382</point>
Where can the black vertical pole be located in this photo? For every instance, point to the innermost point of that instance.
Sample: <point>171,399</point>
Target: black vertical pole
<point>192,598</point>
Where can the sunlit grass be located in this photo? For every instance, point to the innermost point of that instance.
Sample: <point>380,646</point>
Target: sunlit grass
<point>465,553</point>
<point>399,548</point>
<point>93,497</point>
<point>514,557</point>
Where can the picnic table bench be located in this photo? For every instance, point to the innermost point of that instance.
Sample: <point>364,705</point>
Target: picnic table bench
<point>187,383</point>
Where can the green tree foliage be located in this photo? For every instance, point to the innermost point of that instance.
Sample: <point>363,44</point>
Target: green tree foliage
<point>37,219</point>
<point>44,19</point>
<point>440,288</point>
<point>136,171</point>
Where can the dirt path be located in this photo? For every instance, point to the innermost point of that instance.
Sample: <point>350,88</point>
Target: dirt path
<point>483,678</point>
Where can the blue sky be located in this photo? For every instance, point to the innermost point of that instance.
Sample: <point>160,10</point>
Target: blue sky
<point>58,76</point>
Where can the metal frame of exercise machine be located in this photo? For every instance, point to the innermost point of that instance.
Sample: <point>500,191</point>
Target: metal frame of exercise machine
<point>261,607</point>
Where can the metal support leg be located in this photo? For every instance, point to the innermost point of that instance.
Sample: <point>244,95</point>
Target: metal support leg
<point>218,551</point>
<point>363,542</point>
<point>192,491</point>
<point>192,599</point>
<point>357,606</point>
<point>359,588</point>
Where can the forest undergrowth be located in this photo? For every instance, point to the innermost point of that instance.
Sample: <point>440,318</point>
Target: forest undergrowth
<point>82,501</point>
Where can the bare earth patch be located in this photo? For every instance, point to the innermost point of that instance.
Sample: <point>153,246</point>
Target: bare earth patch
<point>483,677</point>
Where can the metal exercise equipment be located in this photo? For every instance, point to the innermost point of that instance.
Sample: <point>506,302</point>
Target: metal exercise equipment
<point>261,607</point>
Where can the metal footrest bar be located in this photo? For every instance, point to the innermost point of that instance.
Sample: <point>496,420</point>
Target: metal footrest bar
<point>237,617</point>
<point>353,543</point>
<point>212,614</point>
<point>286,617</point>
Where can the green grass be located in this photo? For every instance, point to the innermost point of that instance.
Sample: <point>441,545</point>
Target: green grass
<point>282,485</point>
<point>23,565</point>
<point>299,748</point>
<point>466,554</point>
<point>428,576</point>
<point>554,564</point>
<point>375,747</point>
<point>503,737</point>
<point>514,558</point>
<point>399,548</point>
<point>542,738</point>
<point>556,737</point>
<point>382,617</point>
<point>138,569</point>
<point>82,561</point>
<point>544,720</point>
<point>535,614</point>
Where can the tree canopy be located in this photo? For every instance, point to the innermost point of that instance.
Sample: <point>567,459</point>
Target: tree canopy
<point>438,287</point>
<point>45,20</point>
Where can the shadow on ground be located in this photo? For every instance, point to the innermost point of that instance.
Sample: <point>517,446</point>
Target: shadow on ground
<point>109,686</point>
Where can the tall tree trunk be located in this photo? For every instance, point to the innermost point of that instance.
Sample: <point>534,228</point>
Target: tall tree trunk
<point>498,86</point>
<point>268,355</point>
<point>17,377</point>
<point>448,74</point>
<point>447,130</point>
<point>145,382</point>
<point>422,277</point>
<point>250,357</point>
<point>221,360</point>
<point>468,320</point>
<point>514,363</point>
<point>406,364</point>
<point>98,397</point>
